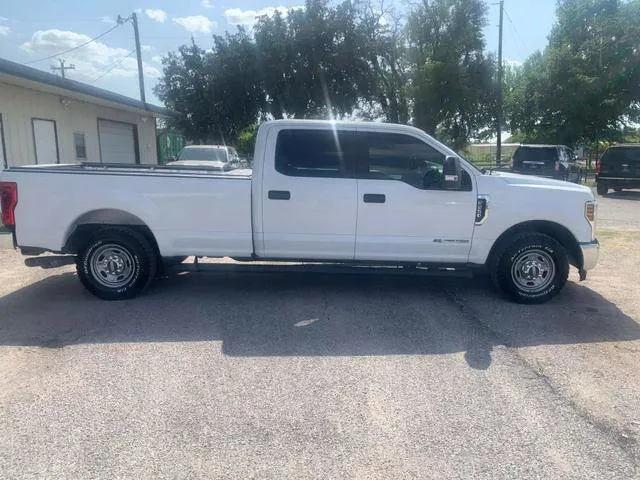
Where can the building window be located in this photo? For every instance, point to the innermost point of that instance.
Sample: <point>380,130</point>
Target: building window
<point>80,146</point>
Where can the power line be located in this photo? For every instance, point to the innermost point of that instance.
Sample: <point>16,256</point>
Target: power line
<point>114,65</point>
<point>515,31</point>
<point>74,48</point>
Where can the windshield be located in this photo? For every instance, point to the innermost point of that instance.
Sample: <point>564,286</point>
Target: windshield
<point>212,154</point>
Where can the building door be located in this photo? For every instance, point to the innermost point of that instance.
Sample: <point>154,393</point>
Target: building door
<point>45,140</point>
<point>3,153</point>
<point>118,142</point>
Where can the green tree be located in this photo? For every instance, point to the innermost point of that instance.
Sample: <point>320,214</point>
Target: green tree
<point>383,41</point>
<point>312,62</point>
<point>586,83</point>
<point>451,77</point>
<point>213,94</point>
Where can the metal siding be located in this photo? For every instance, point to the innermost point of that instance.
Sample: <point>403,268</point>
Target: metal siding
<point>19,105</point>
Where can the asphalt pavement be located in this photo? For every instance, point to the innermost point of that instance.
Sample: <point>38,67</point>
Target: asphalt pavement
<point>315,376</point>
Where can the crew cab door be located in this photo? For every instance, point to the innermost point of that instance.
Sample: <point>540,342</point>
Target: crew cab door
<point>309,199</point>
<point>404,213</point>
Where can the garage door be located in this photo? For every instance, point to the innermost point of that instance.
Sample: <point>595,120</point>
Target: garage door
<point>117,142</point>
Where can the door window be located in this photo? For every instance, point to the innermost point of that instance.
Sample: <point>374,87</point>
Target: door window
<point>316,153</point>
<point>392,156</point>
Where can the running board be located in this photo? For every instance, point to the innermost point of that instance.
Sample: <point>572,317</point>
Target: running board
<point>350,269</point>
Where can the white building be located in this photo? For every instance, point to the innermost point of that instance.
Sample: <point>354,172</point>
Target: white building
<point>47,119</point>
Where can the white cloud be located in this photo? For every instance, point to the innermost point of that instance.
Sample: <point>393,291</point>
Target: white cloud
<point>91,60</point>
<point>157,58</point>
<point>147,48</point>
<point>236,16</point>
<point>4,30</point>
<point>207,3</point>
<point>196,23</point>
<point>156,14</point>
<point>107,19</point>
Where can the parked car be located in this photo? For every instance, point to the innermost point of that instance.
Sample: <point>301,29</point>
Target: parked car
<point>219,157</point>
<point>618,168</point>
<point>549,161</point>
<point>375,195</point>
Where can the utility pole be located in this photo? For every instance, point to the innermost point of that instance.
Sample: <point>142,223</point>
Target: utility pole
<point>500,73</point>
<point>134,20</point>
<point>62,67</point>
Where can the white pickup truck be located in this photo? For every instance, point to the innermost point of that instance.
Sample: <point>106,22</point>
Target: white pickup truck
<point>329,193</point>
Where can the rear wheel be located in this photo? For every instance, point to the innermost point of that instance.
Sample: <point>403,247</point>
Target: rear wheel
<point>116,264</point>
<point>602,188</point>
<point>532,268</point>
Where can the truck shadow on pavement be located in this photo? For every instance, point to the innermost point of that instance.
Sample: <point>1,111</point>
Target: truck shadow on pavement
<point>311,315</point>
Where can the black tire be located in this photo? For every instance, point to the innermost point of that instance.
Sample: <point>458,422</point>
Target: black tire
<point>532,251</point>
<point>617,189</point>
<point>602,188</point>
<point>116,264</point>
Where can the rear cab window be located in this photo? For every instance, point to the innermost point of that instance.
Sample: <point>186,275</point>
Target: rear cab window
<point>535,156</point>
<point>316,153</point>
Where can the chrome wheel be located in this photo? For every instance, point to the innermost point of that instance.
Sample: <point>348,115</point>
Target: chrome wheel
<point>112,266</point>
<point>533,271</point>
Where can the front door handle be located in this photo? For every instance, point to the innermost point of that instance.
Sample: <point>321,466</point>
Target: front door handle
<point>374,198</point>
<point>279,195</point>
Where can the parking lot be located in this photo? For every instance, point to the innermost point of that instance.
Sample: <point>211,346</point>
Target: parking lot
<point>316,376</point>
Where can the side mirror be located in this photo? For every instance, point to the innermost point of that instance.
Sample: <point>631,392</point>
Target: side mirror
<point>452,174</point>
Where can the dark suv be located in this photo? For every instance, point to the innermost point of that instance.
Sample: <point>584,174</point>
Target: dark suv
<point>550,161</point>
<point>618,168</point>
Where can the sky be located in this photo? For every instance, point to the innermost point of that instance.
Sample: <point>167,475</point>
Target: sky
<point>34,29</point>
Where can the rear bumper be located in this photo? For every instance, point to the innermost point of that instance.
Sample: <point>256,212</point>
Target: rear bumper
<point>7,239</point>
<point>590,254</point>
<point>623,182</point>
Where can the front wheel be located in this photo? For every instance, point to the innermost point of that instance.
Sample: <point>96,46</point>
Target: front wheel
<point>532,269</point>
<point>116,264</point>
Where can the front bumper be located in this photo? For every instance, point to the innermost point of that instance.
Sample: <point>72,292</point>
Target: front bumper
<point>6,238</point>
<point>590,254</point>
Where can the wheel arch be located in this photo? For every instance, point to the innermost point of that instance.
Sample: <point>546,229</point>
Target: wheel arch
<point>87,224</point>
<point>556,231</point>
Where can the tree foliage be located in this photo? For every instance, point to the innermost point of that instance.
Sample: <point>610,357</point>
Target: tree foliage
<point>359,58</point>
<point>452,89</point>
<point>586,83</point>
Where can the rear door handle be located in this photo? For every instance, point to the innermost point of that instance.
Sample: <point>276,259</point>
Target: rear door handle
<point>374,198</point>
<point>279,195</point>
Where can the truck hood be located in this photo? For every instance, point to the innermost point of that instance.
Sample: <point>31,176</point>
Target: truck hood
<point>530,181</point>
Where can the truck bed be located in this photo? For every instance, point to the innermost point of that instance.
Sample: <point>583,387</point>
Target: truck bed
<point>190,210</point>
